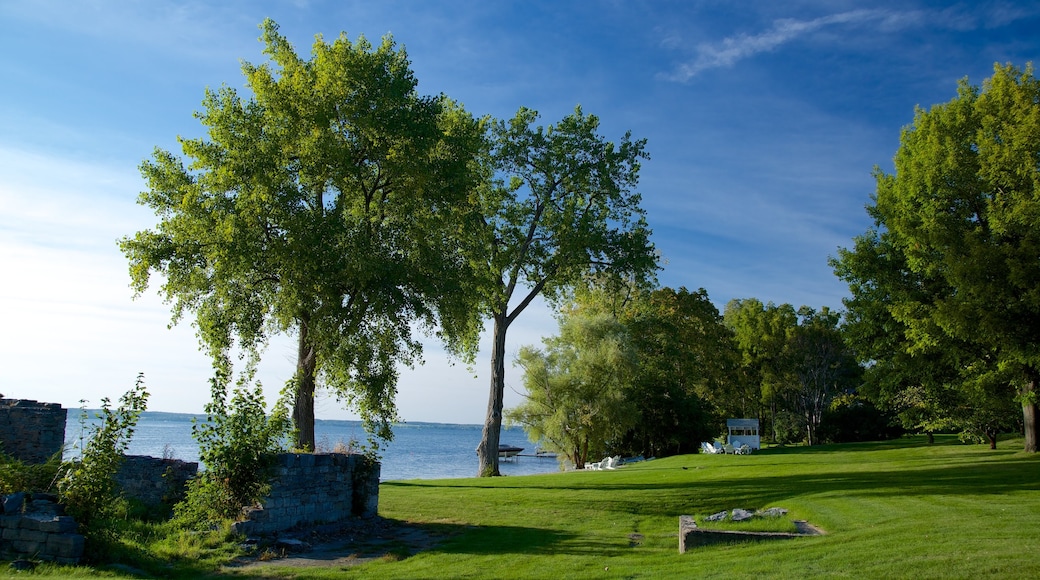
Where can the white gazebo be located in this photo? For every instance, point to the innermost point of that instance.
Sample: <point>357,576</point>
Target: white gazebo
<point>743,431</point>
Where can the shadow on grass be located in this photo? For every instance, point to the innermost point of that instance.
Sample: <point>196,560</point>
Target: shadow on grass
<point>703,486</point>
<point>483,540</point>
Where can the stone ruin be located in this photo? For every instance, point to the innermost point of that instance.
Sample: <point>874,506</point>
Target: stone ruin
<point>307,488</point>
<point>691,536</point>
<point>35,526</point>
<point>30,431</point>
<point>312,489</point>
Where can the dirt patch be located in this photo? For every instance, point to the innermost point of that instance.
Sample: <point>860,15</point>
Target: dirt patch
<point>340,545</point>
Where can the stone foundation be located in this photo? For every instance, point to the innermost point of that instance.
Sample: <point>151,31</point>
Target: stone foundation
<point>30,431</point>
<point>36,528</point>
<point>314,489</point>
<point>155,481</point>
<point>690,536</point>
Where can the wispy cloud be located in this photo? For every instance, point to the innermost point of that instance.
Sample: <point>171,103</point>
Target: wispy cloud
<point>742,46</point>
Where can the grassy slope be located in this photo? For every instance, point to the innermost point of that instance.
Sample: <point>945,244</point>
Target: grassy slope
<point>901,509</point>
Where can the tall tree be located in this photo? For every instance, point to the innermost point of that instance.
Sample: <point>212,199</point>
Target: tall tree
<point>822,365</point>
<point>562,208</point>
<point>917,380</point>
<point>326,205</point>
<point>963,208</point>
<point>762,333</point>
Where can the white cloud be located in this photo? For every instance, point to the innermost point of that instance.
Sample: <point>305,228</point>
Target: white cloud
<point>742,46</point>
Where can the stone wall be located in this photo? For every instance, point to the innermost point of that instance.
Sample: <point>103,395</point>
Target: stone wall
<point>155,481</point>
<point>313,489</point>
<point>31,431</point>
<point>36,527</point>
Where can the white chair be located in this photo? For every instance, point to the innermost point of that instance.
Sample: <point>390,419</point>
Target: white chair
<point>597,466</point>
<point>729,448</point>
<point>611,462</point>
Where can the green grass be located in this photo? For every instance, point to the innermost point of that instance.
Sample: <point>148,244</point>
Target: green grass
<point>900,509</point>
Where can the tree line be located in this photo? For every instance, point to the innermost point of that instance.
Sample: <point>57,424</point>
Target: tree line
<point>335,204</point>
<point>660,371</point>
<point>939,332</point>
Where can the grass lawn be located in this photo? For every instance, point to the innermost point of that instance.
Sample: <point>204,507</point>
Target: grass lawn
<point>899,509</point>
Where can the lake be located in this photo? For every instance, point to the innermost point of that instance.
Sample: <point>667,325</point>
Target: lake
<point>418,451</point>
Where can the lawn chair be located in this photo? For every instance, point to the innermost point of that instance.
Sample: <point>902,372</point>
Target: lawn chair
<point>709,448</point>
<point>729,449</point>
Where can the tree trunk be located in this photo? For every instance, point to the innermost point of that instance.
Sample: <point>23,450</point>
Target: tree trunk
<point>487,450</point>
<point>1029,397</point>
<point>303,405</point>
<point>931,438</point>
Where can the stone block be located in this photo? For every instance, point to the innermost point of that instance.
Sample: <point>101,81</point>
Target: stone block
<point>14,503</point>
<point>59,525</point>
<point>66,545</point>
<point>28,546</point>
<point>33,536</point>
<point>10,521</point>
<point>687,525</point>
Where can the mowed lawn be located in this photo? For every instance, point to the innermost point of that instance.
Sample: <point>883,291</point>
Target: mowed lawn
<point>899,509</point>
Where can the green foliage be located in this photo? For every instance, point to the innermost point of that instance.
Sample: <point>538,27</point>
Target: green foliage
<point>952,265</point>
<point>326,205</point>
<point>677,358</point>
<point>88,488</point>
<point>577,389</point>
<point>762,333</point>
<point>799,361</point>
<point>237,445</point>
<point>558,207</point>
<point>852,418</point>
<point>688,367</point>
<point>822,364</point>
<point>17,475</point>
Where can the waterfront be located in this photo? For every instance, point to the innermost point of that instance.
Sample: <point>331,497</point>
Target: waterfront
<point>418,451</point>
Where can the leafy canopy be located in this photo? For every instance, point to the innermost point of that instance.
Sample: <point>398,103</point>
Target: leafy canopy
<point>326,205</point>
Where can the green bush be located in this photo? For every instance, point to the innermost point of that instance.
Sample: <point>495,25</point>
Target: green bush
<point>237,444</point>
<point>88,487</point>
<point>16,475</point>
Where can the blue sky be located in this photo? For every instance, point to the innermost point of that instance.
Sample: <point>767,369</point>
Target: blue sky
<point>763,120</point>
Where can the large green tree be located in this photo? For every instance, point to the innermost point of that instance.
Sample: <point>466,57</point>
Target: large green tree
<point>559,208</point>
<point>578,387</point>
<point>822,365</point>
<point>762,333</point>
<point>688,366</point>
<point>963,208</point>
<point>325,205</point>
<point>917,380</point>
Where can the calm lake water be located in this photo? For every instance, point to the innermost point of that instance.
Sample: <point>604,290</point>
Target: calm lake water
<point>418,451</point>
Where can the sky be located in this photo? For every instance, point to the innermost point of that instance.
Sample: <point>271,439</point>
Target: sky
<point>764,122</point>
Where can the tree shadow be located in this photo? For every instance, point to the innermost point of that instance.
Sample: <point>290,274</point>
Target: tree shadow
<point>686,490</point>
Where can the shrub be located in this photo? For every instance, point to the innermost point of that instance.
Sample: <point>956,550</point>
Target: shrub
<point>237,444</point>
<point>16,475</point>
<point>88,487</point>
